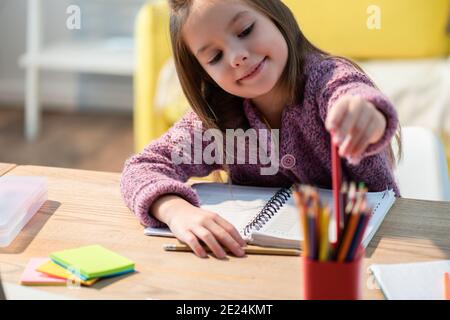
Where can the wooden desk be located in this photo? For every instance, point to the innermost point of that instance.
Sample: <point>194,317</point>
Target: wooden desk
<point>85,207</point>
<point>5,167</point>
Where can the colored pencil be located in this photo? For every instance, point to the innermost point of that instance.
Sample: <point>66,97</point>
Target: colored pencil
<point>355,243</point>
<point>366,214</point>
<point>324,242</point>
<point>351,198</point>
<point>350,206</point>
<point>347,238</point>
<point>336,182</point>
<point>299,197</point>
<point>351,228</point>
<point>248,250</point>
<point>315,218</point>
<point>446,286</point>
<point>316,211</point>
<point>312,235</point>
<point>344,197</point>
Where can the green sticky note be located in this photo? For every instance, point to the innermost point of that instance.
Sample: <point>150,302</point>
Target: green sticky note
<point>93,262</point>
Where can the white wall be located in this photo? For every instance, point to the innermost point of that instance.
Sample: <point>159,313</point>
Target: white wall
<point>64,90</point>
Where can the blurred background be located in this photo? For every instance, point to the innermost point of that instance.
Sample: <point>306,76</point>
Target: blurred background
<point>86,83</point>
<point>80,78</point>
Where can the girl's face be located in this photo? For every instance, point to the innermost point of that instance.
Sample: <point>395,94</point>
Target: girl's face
<point>240,48</point>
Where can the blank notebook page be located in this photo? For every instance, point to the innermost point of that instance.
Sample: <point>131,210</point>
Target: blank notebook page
<point>237,204</point>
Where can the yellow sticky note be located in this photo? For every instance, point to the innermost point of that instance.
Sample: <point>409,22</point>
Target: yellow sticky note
<point>55,270</point>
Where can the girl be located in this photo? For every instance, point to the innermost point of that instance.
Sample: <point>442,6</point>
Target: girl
<point>244,64</point>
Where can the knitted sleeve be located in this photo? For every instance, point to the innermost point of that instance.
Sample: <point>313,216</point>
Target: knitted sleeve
<point>164,166</point>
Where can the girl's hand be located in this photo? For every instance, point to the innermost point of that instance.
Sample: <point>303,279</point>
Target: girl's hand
<point>354,124</point>
<point>193,224</point>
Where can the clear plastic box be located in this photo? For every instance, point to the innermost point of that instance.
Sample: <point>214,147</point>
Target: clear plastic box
<point>20,199</point>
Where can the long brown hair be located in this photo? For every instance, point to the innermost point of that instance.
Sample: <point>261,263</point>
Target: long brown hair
<point>208,100</point>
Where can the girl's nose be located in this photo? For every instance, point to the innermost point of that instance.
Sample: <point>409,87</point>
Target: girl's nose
<point>239,59</point>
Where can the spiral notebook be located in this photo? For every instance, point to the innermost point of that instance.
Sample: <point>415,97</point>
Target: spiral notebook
<point>268,216</point>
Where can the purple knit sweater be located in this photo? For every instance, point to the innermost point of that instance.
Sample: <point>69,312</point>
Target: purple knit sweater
<point>151,173</point>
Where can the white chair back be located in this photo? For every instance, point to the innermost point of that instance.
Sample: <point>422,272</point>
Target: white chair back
<point>422,170</point>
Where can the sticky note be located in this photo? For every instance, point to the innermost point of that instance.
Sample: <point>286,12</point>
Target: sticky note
<point>52,269</point>
<point>93,261</point>
<point>31,277</point>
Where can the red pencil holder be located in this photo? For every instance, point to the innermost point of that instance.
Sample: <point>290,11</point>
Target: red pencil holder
<point>332,280</point>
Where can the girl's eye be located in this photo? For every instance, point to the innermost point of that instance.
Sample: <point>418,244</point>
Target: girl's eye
<point>216,58</point>
<point>243,34</point>
<point>247,31</point>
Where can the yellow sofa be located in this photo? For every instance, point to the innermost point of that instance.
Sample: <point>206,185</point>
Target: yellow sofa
<point>380,29</point>
<point>152,51</point>
<point>409,28</point>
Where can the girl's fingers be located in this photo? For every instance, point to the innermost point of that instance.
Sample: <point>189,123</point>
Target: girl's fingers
<point>354,113</point>
<point>337,114</point>
<point>231,230</point>
<point>364,141</point>
<point>359,131</point>
<point>344,146</point>
<point>208,238</point>
<point>353,124</point>
<point>226,239</point>
<point>191,240</point>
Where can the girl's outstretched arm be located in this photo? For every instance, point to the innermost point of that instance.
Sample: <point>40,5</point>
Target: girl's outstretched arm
<point>341,91</point>
<point>362,119</point>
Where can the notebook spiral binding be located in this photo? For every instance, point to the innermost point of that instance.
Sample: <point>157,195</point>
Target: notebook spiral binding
<point>269,210</point>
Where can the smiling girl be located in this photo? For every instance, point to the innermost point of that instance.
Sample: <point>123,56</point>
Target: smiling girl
<point>245,64</point>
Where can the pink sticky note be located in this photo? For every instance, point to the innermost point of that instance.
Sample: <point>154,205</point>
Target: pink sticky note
<point>32,277</point>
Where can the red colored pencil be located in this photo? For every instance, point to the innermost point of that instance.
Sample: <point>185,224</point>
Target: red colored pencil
<point>336,181</point>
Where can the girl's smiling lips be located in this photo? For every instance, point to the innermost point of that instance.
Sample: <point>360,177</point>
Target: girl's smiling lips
<point>254,70</point>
